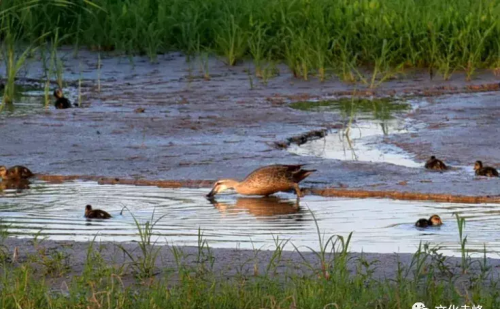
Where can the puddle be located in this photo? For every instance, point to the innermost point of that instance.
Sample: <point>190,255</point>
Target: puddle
<point>27,100</point>
<point>368,123</point>
<point>379,225</point>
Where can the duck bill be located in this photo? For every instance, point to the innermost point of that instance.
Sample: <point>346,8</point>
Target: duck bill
<point>213,192</point>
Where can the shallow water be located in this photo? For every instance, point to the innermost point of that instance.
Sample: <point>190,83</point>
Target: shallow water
<point>362,140</point>
<point>378,225</point>
<point>27,100</point>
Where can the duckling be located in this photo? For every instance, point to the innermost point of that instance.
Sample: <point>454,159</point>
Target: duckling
<point>61,101</point>
<point>95,213</point>
<point>15,172</point>
<point>484,171</point>
<point>16,184</point>
<point>266,181</point>
<point>434,220</point>
<point>435,164</point>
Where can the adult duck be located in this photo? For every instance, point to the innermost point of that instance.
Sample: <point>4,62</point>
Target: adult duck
<point>266,181</point>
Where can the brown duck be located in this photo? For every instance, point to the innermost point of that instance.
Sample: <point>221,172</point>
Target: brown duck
<point>434,220</point>
<point>95,213</point>
<point>485,170</point>
<point>266,181</point>
<point>15,172</point>
<point>435,164</point>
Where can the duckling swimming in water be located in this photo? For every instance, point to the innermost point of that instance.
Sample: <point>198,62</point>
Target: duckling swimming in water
<point>484,171</point>
<point>15,172</point>
<point>15,184</point>
<point>61,101</point>
<point>435,164</point>
<point>95,213</point>
<point>266,181</point>
<point>434,220</point>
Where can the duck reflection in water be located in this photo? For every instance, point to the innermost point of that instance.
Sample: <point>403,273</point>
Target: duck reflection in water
<point>14,184</point>
<point>259,206</point>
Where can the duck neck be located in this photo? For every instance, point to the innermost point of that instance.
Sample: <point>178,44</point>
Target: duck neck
<point>233,183</point>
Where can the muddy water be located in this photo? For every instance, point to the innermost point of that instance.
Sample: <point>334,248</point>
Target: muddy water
<point>368,122</point>
<point>27,100</point>
<point>378,225</point>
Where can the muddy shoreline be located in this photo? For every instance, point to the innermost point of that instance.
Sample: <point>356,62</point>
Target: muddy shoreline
<point>223,262</point>
<point>327,192</point>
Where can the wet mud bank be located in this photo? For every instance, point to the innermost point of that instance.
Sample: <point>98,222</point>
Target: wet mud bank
<point>326,192</point>
<point>193,131</point>
<point>227,263</point>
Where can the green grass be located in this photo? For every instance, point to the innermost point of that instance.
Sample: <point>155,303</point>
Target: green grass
<point>316,38</point>
<point>326,283</point>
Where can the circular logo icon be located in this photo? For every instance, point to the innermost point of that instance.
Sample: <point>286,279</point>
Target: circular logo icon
<point>418,306</point>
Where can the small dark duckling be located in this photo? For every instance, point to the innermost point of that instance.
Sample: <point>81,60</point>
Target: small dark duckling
<point>485,171</point>
<point>435,164</point>
<point>434,220</point>
<point>15,184</point>
<point>61,101</point>
<point>15,172</point>
<point>95,213</point>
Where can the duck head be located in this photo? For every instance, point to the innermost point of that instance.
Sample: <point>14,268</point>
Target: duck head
<point>58,93</point>
<point>88,209</point>
<point>222,185</point>
<point>433,157</point>
<point>435,220</point>
<point>478,165</point>
<point>3,172</point>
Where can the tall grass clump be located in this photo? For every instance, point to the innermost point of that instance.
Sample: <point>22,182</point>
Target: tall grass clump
<point>144,264</point>
<point>366,41</point>
<point>25,25</point>
<point>14,56</point>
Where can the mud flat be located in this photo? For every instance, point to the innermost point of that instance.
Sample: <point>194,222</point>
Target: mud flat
<point>198,130</point>
<point>194,131</point>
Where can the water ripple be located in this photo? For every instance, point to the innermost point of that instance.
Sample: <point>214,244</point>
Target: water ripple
<point>378,225</point>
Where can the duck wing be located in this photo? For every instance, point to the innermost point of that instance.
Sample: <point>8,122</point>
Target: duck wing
<point>103,215</point>
<point>274,174</point>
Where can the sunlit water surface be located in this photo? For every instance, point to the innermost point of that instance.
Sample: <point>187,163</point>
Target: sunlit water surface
<point>368,122</point>
<point>378,225</point>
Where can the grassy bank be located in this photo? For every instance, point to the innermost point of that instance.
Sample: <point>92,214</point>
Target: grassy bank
<point>314,37</point>
<point>332,279</point>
